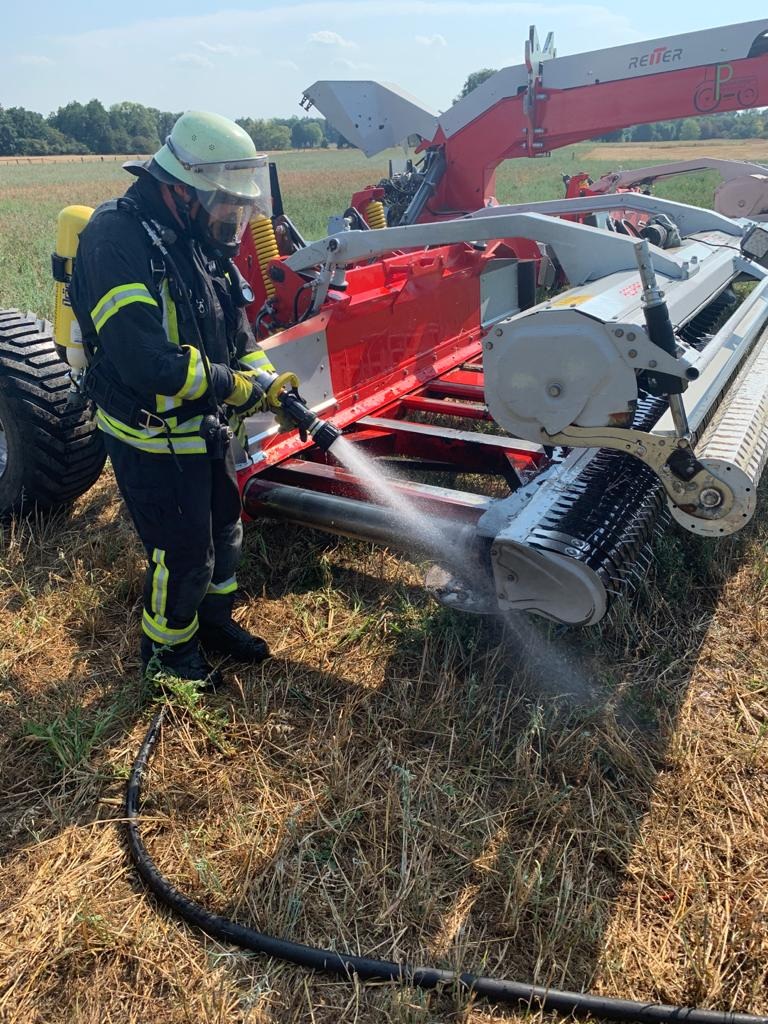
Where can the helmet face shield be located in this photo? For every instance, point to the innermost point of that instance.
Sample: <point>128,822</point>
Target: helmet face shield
<point>247,178</point>
<point>227,216</point>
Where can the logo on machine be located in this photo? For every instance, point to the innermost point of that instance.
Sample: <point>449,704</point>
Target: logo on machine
<point>661,55</point>
<point>721,84</point>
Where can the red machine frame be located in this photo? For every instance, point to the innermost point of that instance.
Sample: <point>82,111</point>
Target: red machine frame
<point>404,336</point>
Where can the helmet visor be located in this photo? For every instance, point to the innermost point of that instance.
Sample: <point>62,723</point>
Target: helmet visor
<point>228,215</point>
<point>248,178</point>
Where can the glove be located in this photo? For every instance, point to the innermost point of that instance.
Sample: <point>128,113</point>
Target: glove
<point>246,396</point>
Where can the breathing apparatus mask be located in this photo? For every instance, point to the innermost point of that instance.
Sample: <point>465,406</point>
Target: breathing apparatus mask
<point>221,219</point>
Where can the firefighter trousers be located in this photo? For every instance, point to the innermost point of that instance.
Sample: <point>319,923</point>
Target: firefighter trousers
<point>187,514</point>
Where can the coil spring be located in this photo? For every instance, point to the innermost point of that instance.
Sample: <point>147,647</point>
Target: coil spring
<point>374,214</point>
<point>265,244</point>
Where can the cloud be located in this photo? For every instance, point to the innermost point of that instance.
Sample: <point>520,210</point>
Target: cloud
<point>350,65</point>
<point>223,48</point>
<point>287,65</point>
<point>615,28</point>
<point>32,60</point>
<point>192,60</point>
<point>327,38</point>
<point>435,40</point>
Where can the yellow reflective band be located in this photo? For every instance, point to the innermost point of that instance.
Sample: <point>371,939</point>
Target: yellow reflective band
<point>170,318</point>
<point>116,298</point>
<point>164,403</point>
<point>155,441</point>
<point>257,360</point>
<point>225,587</point>
<point>162,634</point>
<point>195,383</point>
<point>159,585</point>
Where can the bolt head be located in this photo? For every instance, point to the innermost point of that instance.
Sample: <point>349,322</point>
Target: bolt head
<point>554,390</point>
<point>498,332</point>
<point>488,346</point>
<point>632,353</point>
<point>710,497</point>
<point>631,335</point>
<point>652,363</point>
<point>619,333</point>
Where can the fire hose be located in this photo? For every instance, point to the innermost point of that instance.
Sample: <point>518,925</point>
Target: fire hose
<point>349,965</point>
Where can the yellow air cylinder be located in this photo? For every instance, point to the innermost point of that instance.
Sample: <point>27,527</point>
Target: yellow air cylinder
<point>265,244</point>
<point>66,330</point>
<point>374,214</point>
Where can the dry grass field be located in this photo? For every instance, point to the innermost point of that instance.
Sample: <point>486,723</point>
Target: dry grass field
<point>585,809</point>
<point>664,152</point>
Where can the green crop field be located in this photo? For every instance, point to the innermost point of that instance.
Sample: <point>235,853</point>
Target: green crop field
<point>316,184</point>
<point>583,809</point>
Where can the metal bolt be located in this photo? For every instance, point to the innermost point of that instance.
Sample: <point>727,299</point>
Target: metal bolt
<point>631,335</point>
<point>356,396</point>
<point>512,577</point>
<point>488,346</point>
<point>632,353</point>
<point>619,333</point>
<point>652,364</point>
<point>710,497</point>
<point>554,390</point>
<point>498,332</point>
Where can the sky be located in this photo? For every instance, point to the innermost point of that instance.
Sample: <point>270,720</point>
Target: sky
<point>250,58</point>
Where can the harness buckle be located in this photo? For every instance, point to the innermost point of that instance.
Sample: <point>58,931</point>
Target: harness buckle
<point>158,271</point>
<point>150,421</point>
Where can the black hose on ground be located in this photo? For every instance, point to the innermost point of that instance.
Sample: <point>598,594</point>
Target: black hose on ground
<point>347,965</point>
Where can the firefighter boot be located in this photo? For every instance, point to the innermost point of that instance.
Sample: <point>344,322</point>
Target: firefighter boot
<point>183,661</point>
<point>219,632</point>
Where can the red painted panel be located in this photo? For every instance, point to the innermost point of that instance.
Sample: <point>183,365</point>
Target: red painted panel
<point>566,116</point>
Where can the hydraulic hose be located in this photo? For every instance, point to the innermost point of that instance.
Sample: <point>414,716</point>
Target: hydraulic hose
<point>348,965</point>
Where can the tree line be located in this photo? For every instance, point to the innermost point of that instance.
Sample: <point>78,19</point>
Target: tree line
<point>80,128</point>
<point>126,127</point>
<point>741,124</point>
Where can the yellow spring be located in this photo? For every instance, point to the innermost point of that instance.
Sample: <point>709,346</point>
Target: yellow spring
<point>265,243</point>
<point>374,214</point>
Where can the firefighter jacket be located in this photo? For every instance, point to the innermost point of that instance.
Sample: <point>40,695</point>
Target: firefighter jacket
<point>146,371</point>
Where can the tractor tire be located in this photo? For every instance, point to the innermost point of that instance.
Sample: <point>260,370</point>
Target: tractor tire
<point>50,449</point>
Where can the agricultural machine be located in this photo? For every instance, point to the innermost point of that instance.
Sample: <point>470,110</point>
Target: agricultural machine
<point>625,367</point>
<point>603,358</point>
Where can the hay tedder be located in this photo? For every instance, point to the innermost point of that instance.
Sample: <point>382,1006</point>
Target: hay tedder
<point>618,342</point>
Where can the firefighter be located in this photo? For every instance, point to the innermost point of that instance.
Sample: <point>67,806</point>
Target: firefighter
<point>161,309</point>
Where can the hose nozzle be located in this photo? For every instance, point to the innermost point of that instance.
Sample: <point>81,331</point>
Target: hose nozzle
<point>322,432</point>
